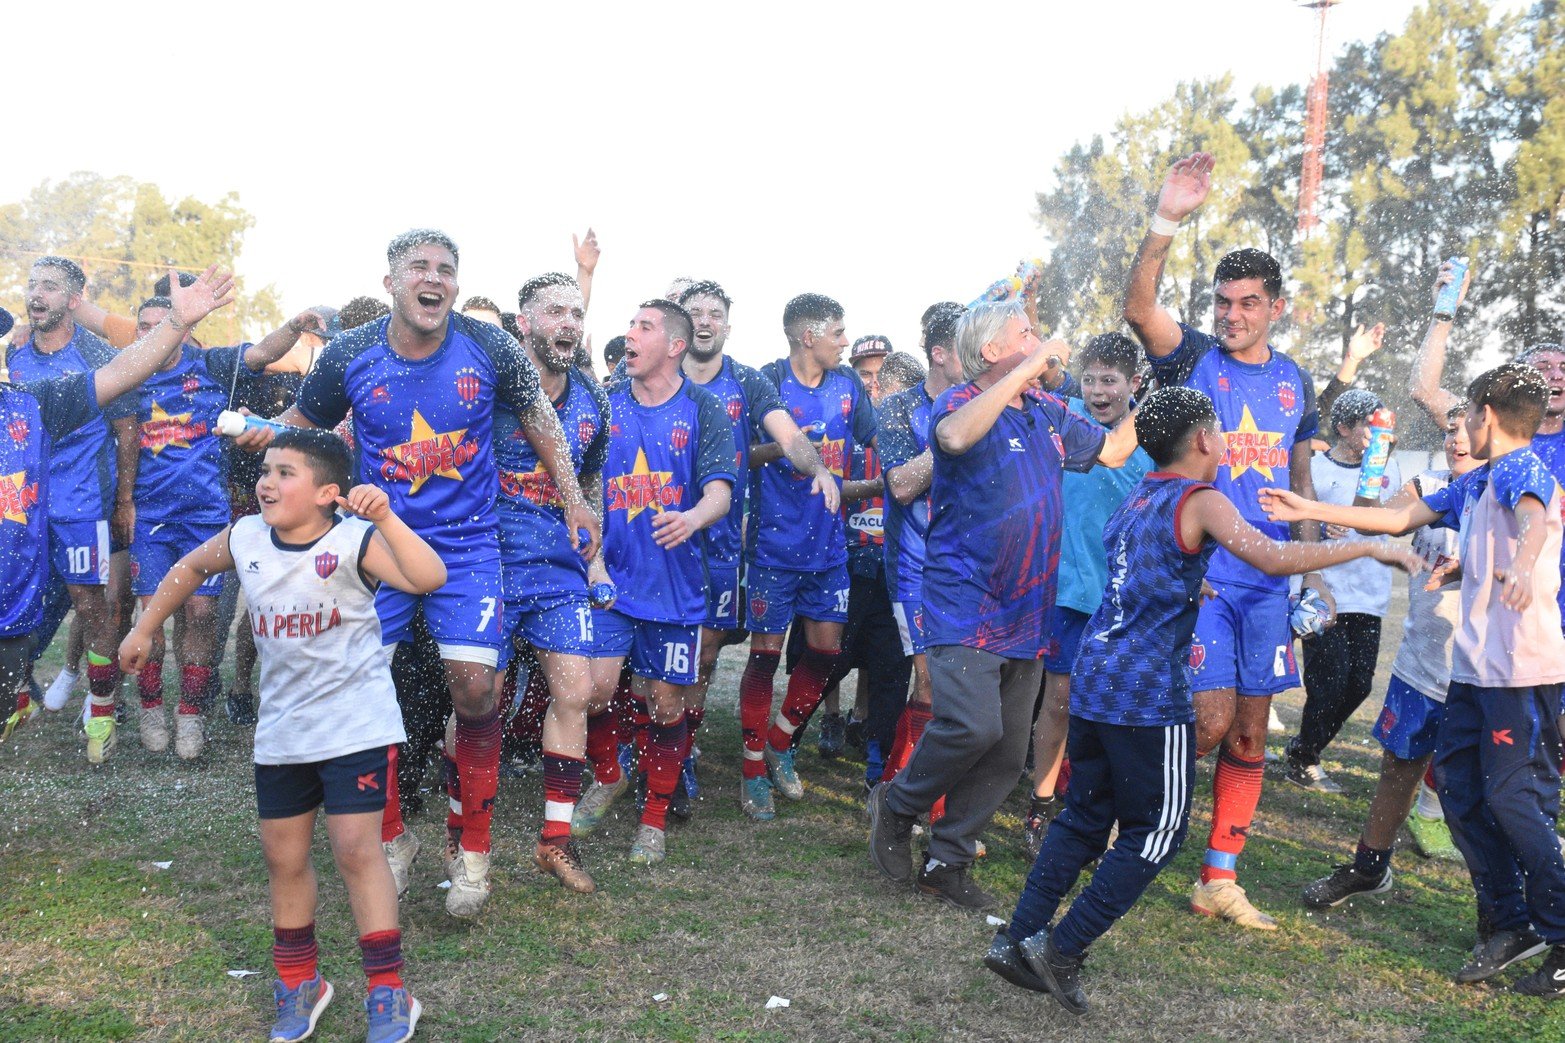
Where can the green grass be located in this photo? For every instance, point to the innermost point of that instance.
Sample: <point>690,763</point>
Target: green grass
<point>97,943</point>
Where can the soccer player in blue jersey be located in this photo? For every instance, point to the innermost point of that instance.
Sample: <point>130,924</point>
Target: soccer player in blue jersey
<point>37,415</point>
<point>545,577</point>
<point>86,487</point>
<point>1000,450</point>
<point>1132,722</point>
<point>423,386</point>
<point>756,413</point>
<point>182,501</point>
<point>1243,649</point>
<point>796,547</point>
<point>668,476</point>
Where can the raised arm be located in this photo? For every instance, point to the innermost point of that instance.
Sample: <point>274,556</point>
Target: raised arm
<point>587,254</point>
<point>959,431</point>
<point>1183,192</point>
<point>1361,346</point>
<point>280,341</point>
<point>190,304</point>
<point>396,554</point>
<point>1429,363</point>
<point>1399,516</point>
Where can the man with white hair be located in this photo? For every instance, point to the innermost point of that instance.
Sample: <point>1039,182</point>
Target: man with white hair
<point>1000,450</point>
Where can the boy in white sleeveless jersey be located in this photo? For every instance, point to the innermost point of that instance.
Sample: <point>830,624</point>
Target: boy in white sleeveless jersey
<point>328,713</point>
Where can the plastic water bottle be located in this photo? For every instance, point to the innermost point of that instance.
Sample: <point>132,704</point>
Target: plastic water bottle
<point>816,431</point>
<point>1372,472</point>
<point>1451,292</point>
<point>235,424</point>
<point>1307,616</point>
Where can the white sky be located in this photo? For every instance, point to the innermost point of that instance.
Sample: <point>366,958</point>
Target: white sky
<point>885,154</point>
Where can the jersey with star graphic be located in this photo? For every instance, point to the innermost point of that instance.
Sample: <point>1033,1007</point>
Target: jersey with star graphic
<point>179,475</point>
<point>660,459</point>
<point>1266,410</point>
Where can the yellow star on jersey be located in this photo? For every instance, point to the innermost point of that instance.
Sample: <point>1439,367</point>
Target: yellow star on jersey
<point>427,454</point>
<point>644,487</point>
<point>13,506</point>
<point>160,425</point>
<point>1250,448</point>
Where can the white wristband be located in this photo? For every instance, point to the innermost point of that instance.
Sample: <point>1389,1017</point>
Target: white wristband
<point>1162,225</point>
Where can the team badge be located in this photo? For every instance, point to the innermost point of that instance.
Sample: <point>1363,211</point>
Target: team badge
<point>190,385</point>
<point>19,428</point>
<point>1059,443</point>
<point>735,409</point>
<point>1197,655</point>
<point>379,395</point>
<point>1222,384</point>
<point>1286,397</point>
<point>847,407</point>
<point>1388,721</point>
<point>468,385</point>
<point>585,429</point>
<point>757,607</point>
<point>679,438</point>
<point>325,564</point>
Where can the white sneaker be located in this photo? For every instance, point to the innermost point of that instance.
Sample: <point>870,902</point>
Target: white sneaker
<point>154,728</point>
<point>469,883</point>
<point>59,691</point>
<point>1274,725</point>
<point>401,850</point>
<point>189,736</point>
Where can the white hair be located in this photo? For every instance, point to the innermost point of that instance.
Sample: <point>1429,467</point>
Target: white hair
<point>982,325</point>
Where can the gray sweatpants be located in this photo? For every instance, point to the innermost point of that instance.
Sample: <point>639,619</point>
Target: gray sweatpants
<point>974,748</point>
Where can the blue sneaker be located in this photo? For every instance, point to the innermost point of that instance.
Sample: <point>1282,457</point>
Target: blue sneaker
<point>393,1015</point>
<point>299,1009</point>
<point>755,797</point>
<point>687,774</point>
<point>779,766</point>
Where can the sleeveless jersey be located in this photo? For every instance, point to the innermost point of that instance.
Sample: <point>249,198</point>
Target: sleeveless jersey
<point>425,426</point>
<point>903,434</point>
<point>535,548</point>
<point>179,476</point>
<point>1130,668</point>
<point>790,529</point>
<point>82,465</point>
<point>1266,410</point>
<point>747,398</point>
<point>325,676</point>
<point>660,458</point>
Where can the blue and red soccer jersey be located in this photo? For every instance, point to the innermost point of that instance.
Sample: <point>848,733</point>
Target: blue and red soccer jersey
<point>747,398</point>
<point>866,518</point>
<point>660,458</point>
<point>1130,666</point>
<point>535,544</point>
<point>994,537</point>
<point>1266,410</point>
<point>790,529</point>
<point>179,476</point>
<point>33,417</point>
<point>425,426</point>
<point>82,464</point>
<point>902,435</point>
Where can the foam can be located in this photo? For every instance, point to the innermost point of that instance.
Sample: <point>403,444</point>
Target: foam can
<point>1451,292</point>
<point>1372,472</point>
<point>235,424</point>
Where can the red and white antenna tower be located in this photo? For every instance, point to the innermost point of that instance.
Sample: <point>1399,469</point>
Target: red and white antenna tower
<point>1314,126</point>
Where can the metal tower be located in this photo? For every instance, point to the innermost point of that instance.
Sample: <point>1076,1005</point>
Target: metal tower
<point>1314,126</point>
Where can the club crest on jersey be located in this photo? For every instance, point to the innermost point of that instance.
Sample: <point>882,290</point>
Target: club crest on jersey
<point>19,428</point>
<point>847,407</point>
<point>1197,655</point>
<point>585,430</point>
<point>325,564</point>
<point>1059,443</point>
<point>1286,397</point>
<point>735,409</point>
<point>1222,384</point>
<point>379,395</point>
<point>190,385</point>
<point>468,385</point>
<point>679,437</point>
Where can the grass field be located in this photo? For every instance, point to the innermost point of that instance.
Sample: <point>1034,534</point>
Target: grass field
<point>99,943</point>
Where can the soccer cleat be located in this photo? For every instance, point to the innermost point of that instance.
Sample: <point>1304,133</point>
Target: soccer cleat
<point>1039,814</point>
<point>1226,900</point>
<point>1061,974</point>
<point>1547,981</point>
<point>890,838</point>
<point>100,739</point>
<point>595,803</point>
<point>779,767</point>
<point>392,1013</point>
<point>1432,838</point>
<point>299,1009</point>
<point>1499,951</point>
<point>690,776</point>
<point>562,861</point>
<point>17,719</point>
<point>755,798</point>
<point>952,886</point>
<point>833,736</point>
<point>649,847</point>
<point>1311,777</point>
<point>189,736</point>
<point>1005,959</point>
<point>401,850</point>
<point>469,883</point>
<point>240,707</point>
<point>154,728</point>
<point>59,691</point>
<point>1344,882</point>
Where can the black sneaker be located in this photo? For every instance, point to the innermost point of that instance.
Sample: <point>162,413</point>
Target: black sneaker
<point>1547,981</point>
<point>679,803</point>
<point>1005,959</point>
<point>1039,814</point>
<point>241,708</point>
<point>1310,776</point>
<point>855,734</point>
<point>951,885</point>
<point>890,838</point>
<point>1061,974</point>
<point>834,733</point>
<point>1344,882</point>
<point>1499,951</point>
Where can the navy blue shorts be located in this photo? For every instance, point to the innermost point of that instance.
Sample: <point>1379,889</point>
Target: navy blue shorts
<point>347,785</point>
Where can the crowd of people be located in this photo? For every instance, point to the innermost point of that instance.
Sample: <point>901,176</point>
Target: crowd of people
<point>453,539</point>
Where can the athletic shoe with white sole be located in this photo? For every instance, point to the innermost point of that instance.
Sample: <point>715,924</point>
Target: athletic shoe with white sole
<point>154,728</point>
<point>1497,952</point>
<point>595,803</point>
<point>780,769</point>
<point>649,847</point>
<point>392,1013</point>
<point>469,883</point>
<point>1226,900</point>
<point>401,850</point>
<point>189,736</point>
<point>100,739</point>
<point>299,1009</point>
<point>1547,981</point>
<point>59,691</point>
<point>17,719</point>
<point>1432,838</point>
<point>1312,777</point>
<point>755,799</point>
<point>1344,882</point>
